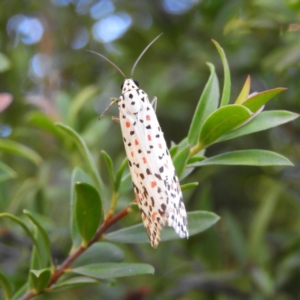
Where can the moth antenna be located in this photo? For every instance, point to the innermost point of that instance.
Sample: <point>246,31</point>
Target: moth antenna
<point>138,59</point>
<point>116,67</point>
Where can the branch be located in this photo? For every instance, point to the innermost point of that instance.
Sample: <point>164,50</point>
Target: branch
<point>67,263</point>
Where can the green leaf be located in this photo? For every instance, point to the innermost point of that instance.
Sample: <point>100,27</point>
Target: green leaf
<point>183,143</point>
<point>75,282</point>
<point>237,239</point>
<point>82,147</point>
<point>246,158</point>
<point>114,270</point>
<point>242,97</point>
<point>125,185</point>
<point>261,221</point>
<point>21,150</point>
<point>26,188</point>
<point>6,172</point>
<point>227,80</point>
<point>208,103</point>
<point>180,160</point>
<point>98,253</point>
<point>44,242</point>
<point>198,221</point>
<point>39,279</point>
<point>265,120</point>
<point>222,121</point>
<point>255,102</point>
<point>78,175</point>
<point>88,209</point>
<point>264,282</point>
<point>120,174</point>
<point>173,150</point>
<point>194,159</point>
<point>27,231</point>
<point>188,186</point>
<point>4,63</point>
<point>20,292</point>
<point>6,286</point>
<point>110,166</point>
<point>43,122</point>
<point>81,98</point>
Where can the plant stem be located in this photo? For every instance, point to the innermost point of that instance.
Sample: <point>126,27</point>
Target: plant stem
<point>67,263</point>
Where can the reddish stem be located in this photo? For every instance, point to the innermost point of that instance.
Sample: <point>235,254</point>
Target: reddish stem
<point>67,263</point>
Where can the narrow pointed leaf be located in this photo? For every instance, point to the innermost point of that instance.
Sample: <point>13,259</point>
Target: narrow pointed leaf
<point>44,245</point>
<point>27,231</point>
<point>222,121</point>
<point>261,221</point>
<point>43,122</point>
<point>110,166</point>
<point>237,238</point>
<point>198,221</point>
<point>6,287</point>
<point>39,279</point>
<point>88,208</point>
<point>265,120</point>
<point>83,96</point>
<point>119,174</point>
<point>188,186</point>
<point>255,102</point>
<point>180,160</point>
<point>242,97</point>
<point>75,282</point>
<point>113,270</point>
<point>99,253</point>
<point>20,292</point>
<point>194,159</point>
<point>227,80</point>
<point>208,103</point>
<point>246,158</point>
<point>82,147</point>
<point>6,172</point>
<point>173,150</point>
<point>78,175</point>
<point>19,149</point>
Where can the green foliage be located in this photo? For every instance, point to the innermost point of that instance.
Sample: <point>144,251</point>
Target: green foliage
<point>111,270</point>
<point>88,211</point>
<point>252,253</point>
<point>39,279</point>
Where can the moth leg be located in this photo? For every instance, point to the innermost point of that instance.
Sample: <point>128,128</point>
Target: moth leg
<point>154,103</point>
<point>116,119</point>
<point>113,101</point>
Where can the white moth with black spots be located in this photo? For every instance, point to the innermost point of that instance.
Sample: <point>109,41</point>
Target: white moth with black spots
<point>155,182</point>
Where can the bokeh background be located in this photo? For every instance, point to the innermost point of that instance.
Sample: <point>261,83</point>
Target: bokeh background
<point>254,250</point>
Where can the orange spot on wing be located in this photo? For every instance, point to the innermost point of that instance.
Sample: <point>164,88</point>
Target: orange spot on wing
<point>127,124</point>
<point>136,142</point>
<point>148,118</point>
<point>149,137</point>
<point>153,184</point>
<point>153,216</point>
<point>132,154</point>
<point>144,160</point>
<point>159,146</point>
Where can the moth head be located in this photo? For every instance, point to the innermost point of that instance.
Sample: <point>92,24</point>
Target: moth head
<point>128,85</point>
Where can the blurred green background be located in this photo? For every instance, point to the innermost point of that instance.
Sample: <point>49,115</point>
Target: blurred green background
<point>254,250</point>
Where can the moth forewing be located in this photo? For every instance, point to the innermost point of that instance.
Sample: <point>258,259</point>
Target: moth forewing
<point>155,183</point>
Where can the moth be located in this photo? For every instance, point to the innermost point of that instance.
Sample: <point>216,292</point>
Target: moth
<point>155,183</point>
